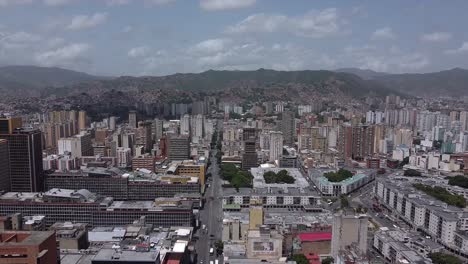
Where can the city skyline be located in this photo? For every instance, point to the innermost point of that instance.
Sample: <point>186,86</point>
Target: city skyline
<point>159,37</point>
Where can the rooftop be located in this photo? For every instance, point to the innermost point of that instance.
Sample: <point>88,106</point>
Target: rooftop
<point>116,255</point>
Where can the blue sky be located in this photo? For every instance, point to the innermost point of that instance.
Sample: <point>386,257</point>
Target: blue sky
<point>158,37</point>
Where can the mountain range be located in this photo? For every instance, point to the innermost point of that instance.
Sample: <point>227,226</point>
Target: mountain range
<point>353,82</point>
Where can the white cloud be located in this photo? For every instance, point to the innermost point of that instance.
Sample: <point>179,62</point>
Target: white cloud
<point>14,2</point>
<point>462,49</point>
<point>22,37</point>
<point>138,52</point>
<point>315,24</point>
<point>436,37</point>
<point>391,59</point>
<point>84,21</point>
<point>259,23</point>
<point>216,5</point>
<point>383,33</point>
<point>57,2</point>
<point>148,2</point>
<point>210,46</point>
<point>117,2</point>
<point>318,24</point>
<point>66,55</point>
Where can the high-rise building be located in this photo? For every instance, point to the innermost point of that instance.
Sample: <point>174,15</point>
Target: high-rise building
<point>276,146</point>
<point>124,157</point>
<point>4,166</point>
<point>178,147</point>
<point>249,157</point>
<point>356,142</point>
<point>8,125</point>
<point>349,230</point>
<point>112,122</point>
<point>185,125</point>
<point>464,120</point>
<point>157,129</point>
<point>197,130</point>
<point>288,128</point>
<point>144,137</point>
<point>28,247</point>
<point>78,146</point>
<point>132,119</point>
<point>25,157</point>
<point>82,120</point>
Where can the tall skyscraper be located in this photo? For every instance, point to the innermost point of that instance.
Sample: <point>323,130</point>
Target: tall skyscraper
<point>356,142</point>
<point>4,166</point>
<point>178,147</point>
<point>464,120</point>
<point>144,137</point>
<point>249,157</point>
<point>185,125</point>
<point>112,123</point>
<point>25,157</point>
<point>132,119</point>
<point>157,129</point>
<point>82,120</point>
<point>288,128</point>
<point>276,146</point>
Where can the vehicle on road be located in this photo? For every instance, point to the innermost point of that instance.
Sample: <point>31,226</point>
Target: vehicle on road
<point>203,227</point>
<point>211,251</point>
<point>216,261</point>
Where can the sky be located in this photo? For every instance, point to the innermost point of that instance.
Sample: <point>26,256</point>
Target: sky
<point>160,37</point>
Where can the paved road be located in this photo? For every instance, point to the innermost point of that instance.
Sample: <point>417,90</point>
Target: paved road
<point>211,214</point>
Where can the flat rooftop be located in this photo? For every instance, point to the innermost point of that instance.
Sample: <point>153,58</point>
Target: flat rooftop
<point>117,256</point>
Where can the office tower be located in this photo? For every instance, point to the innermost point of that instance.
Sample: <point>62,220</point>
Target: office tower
<point>379,134</point>
<point>28,247</point>
<point>124,157</point>
<point>144,137</point>
<point>4,166</point>
<point>276,146</point>
<point>403,136</point>
<point>82,120</point>
<point>264,140</point>
<point>288,128</point>
<point>178,147</point>
<point>8,125</point>
<point>356,142</point>
<point>197,128</point>
<point>249,157</point>
<point>78,146</point>
<point>185,125</point>
<point>112,122</point>
<point>268,108</point>
<point>132,119</point>
<point>198,108</point>
<point>348,230</point>
<point>157,129</point>
<point>454,116</point>
<point>25,152</point>
<point>464,120</point>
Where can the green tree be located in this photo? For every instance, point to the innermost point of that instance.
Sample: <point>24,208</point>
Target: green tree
<point>300,259</point>
<point>344,201</point>
<point>219,245</point>
<point>328,260</point>
<point>441,258</point>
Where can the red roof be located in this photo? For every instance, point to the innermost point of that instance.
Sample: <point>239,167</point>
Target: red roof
<point>313,259</point>
<point>312,237</point>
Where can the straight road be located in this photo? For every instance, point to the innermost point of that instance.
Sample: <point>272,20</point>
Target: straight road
<point>212,213</point>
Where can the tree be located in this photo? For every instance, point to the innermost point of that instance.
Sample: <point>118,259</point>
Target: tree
<point>219,245</point>
<point>328,260</point>
<point>344,201</point>
<point>300,259</point>
<point>441,258</point>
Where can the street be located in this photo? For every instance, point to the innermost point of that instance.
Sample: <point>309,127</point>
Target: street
<point>211,215</point>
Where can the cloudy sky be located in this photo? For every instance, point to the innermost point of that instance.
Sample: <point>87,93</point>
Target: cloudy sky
<point>158,37</point>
